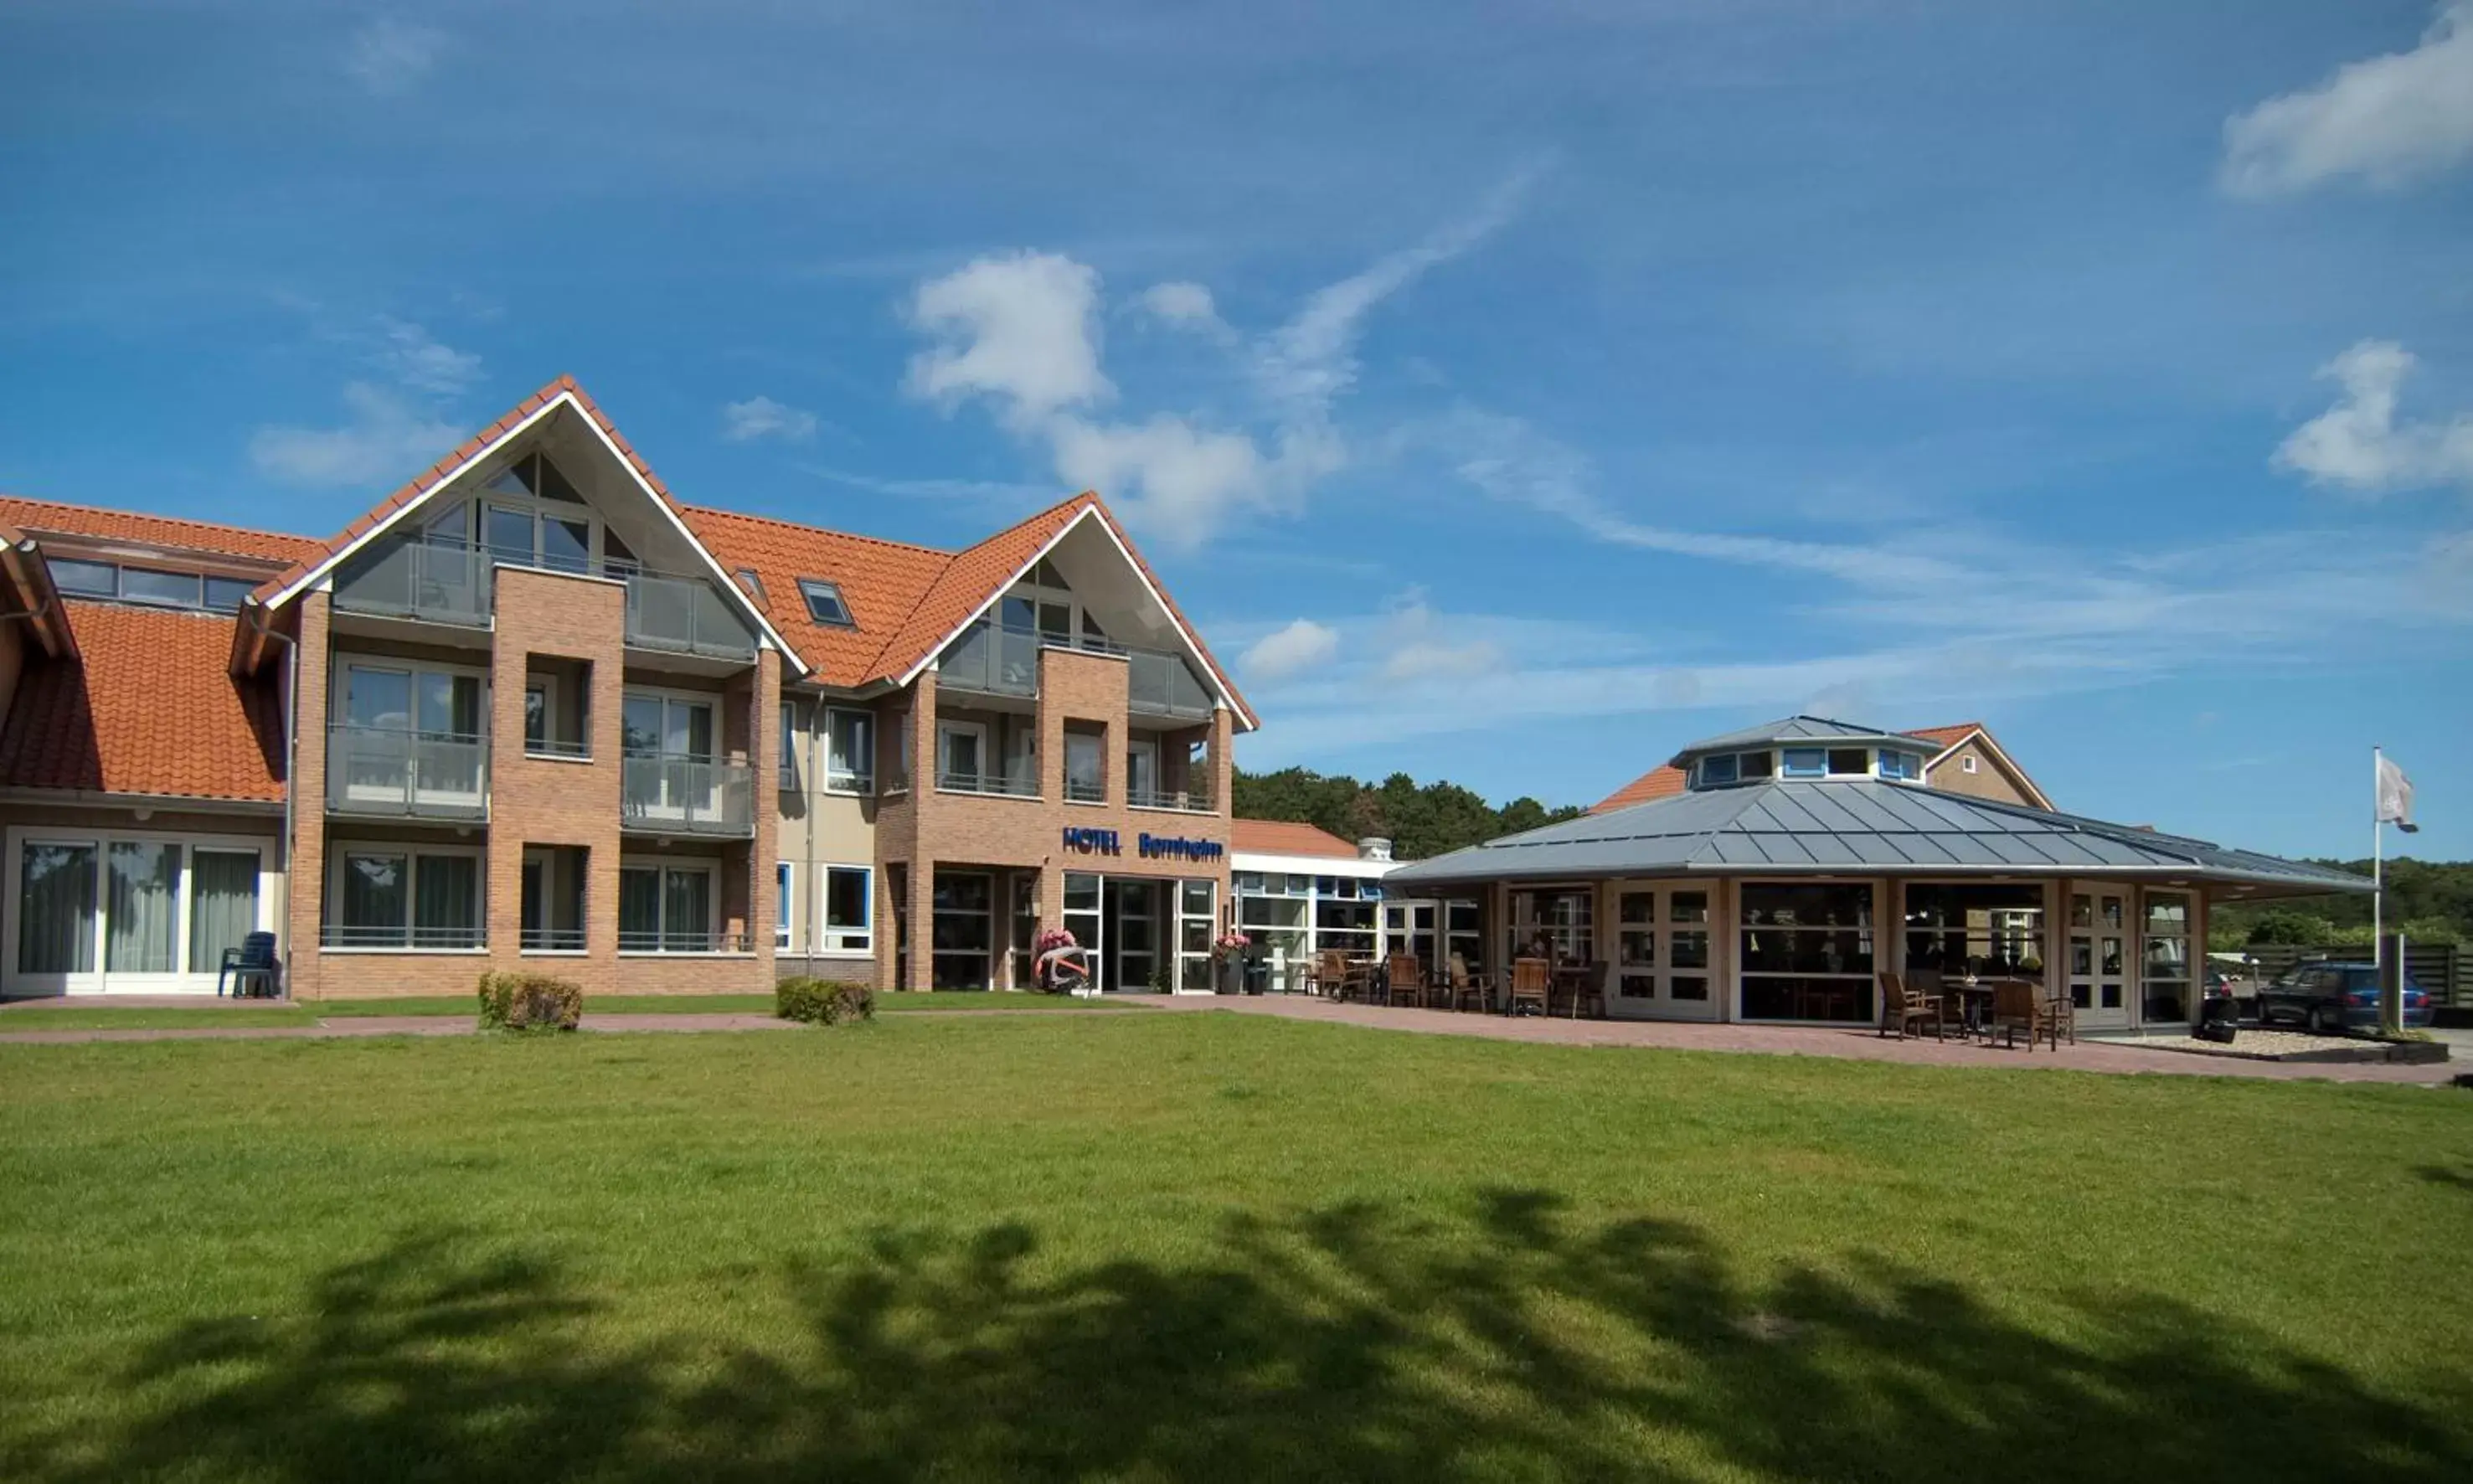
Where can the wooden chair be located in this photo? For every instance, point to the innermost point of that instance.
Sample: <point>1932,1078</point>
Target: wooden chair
<point>2061,1011</point>
<point>1357,979</point>
<point>1466,988</point>
<point>1403,980</point>
<point>1903,1006</point>
<point>1591,991</point>
<point>2017,1004</point>
<point>1329,974</point>
<point>1531,981</point>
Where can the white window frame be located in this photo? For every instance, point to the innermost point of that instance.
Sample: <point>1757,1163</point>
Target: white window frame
<point>785,880</point>
<point>190,978</point>
<point>339,685</point>
<point>859,784</point>
<point>476,503</point>
<point>711,870</point>
<point>829,940</point>
<point>790,765</point>
<point>1966,762</point>
<point>339,849</point>
<point>809,586</point>
<point>668,696</point>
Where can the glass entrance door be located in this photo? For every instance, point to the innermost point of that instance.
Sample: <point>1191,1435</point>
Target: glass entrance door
<point>1132,937</point>
<point>2098,954</point>
<point>1661,967</point>
<point>1409,927</point>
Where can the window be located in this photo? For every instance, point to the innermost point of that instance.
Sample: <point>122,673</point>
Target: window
<point>783,876</point>
<point>666,909</point>
<point>753,584</point>
<point>1716,771</point>
<point>396,898</point>
<point>1849,762</point>
<point>1807,951</point>
<point>148,584</point>
<point>1755,765</point>
<point>130,905</point>
<point>825,603</point>
<point>653,726</point>
<point>1966,764</point>
<point>1084,768</point>
<point>788,761</point>
<point>1804,762</point>
<point>963,931</point>
<point>849,751</point>
<point>848,896</point>
<point>1900,765</point>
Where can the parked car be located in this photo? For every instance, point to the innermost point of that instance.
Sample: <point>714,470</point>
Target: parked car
<point>2328,998</point>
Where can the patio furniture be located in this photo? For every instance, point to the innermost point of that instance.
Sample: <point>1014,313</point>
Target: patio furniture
<point>2018,1004</point>
<point>1404,980</point>
<point>1466,988</point>
<point>1904,1005</point>
<point>2062,1010</point>
<point>1591,991</point>
<point>251,962</point>
<point>1329,974</point>
<point>1529,981</point>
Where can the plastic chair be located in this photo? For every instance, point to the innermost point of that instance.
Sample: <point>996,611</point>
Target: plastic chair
<point>253,960</point>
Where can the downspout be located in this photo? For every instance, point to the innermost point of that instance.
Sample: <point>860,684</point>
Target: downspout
<point>291,779</point>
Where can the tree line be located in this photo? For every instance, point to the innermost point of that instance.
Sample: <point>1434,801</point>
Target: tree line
<point>2428,901</point>
<point>1421,821</point>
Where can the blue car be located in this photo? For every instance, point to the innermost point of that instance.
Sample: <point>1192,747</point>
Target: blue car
<point>2331,997</point>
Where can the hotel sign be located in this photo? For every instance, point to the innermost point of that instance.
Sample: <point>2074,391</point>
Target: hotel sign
<point>1085,841</point>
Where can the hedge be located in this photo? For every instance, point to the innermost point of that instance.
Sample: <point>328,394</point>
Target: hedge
<point>525,1001</point>
<point>823,1001</point>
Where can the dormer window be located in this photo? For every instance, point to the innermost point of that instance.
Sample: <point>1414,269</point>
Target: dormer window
<point>753,584</point>
<point>1849,762</point>
<point>1803,763</point>
<point>1756,765</point>
<point>1904,767</point>
<point>1717,771</point>
<point>825,603</point>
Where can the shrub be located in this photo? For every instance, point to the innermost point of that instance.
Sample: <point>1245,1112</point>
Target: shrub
<point>823,1001</point>
<point>525,1001</point>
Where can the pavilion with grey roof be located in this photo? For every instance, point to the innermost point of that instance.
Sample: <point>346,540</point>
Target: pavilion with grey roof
<point>1765,890</point>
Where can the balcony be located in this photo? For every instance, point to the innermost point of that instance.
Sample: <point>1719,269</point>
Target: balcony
<point>396,935</point>
<point>388,772</point>
<point>1181,801</point>
<point>682,615</point>
<point>682,794</point>
<point>991,661</point>
<point>414,579</point>
<point>1163,684</point>
<point>649,940</point>
<point>994,784</point>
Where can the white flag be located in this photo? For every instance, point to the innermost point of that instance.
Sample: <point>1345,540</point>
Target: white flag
<point>2395,797</point>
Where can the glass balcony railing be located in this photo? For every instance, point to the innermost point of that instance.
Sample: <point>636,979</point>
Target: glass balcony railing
<point>384,769</point>
<point>991,659</point>
<point>994,783</point>
<point>414,579</point>
<point>683,615</point>
<point>1181,801</point>
<point>679,793</point>
<point>1161,684</point>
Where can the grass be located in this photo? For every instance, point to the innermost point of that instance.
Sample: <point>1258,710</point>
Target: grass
<point>104,1016</point>
<point>1160,1247</point>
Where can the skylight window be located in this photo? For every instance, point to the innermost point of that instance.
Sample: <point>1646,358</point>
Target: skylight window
<point>825,603</point>
<point>753,584</point>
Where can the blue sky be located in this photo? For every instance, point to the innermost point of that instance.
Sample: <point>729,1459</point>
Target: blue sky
<point>1515,391</point>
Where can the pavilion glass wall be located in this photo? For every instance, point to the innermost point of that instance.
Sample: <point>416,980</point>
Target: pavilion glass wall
<point>1976,928</point>
<point>1807,950</point>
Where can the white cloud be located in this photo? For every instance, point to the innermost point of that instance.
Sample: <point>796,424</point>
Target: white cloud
<point>2358,445</point>
<point>1301,646</point>
<point>1185,304</point>
<point>1021,330</point>
<point>385,440</point>
<point>423,364</point>
<point>390,56</point>
<point>1429,660</point>
<point>761,417</point>
<point>2389,120</point>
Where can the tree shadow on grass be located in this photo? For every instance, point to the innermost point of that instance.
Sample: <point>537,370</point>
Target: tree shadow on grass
<point>1353,1342</point>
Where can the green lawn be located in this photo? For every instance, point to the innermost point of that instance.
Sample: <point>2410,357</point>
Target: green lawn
<point>1189,1246</point>
<point>95,1018</point>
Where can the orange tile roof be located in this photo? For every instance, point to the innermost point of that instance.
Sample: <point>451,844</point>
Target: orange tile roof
<point>881,581</point>
<point>40,517</point>
<point>1666,780</point>
<point>149,708</point>
<point>972,577</point>
<point>1284,837</point>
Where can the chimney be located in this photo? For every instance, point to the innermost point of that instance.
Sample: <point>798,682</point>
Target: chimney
<point>1373,847</point>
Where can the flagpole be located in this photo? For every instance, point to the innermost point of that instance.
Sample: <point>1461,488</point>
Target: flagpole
<point>2378,885</point>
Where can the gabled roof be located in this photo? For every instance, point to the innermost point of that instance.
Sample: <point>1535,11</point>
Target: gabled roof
<point>1287,837</point>
<point>1663,781</point>
<point>907,603</point>
<point>1864,825</point>
<point>47,517</point>
<point>1949,739</point>
<point>563,392</point>
<point>149,708</point>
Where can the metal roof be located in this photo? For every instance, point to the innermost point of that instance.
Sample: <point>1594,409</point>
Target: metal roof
<point>1800,729</point>
<point>1781,826</point>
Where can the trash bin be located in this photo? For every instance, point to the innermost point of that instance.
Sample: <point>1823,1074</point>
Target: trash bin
<point>2218,1018</point>
<point>1257,977</point>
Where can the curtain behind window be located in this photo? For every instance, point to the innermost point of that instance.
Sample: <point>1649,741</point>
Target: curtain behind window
<point>223,904</point>
<point>687,910</point>
<point>446,902</point>
<point>142,913</point>
<point>56,910</point>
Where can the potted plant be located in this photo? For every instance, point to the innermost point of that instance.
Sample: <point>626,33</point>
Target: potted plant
<point>1227,962</point>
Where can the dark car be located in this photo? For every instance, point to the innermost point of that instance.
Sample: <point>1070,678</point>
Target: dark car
<point>2331,997</point>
